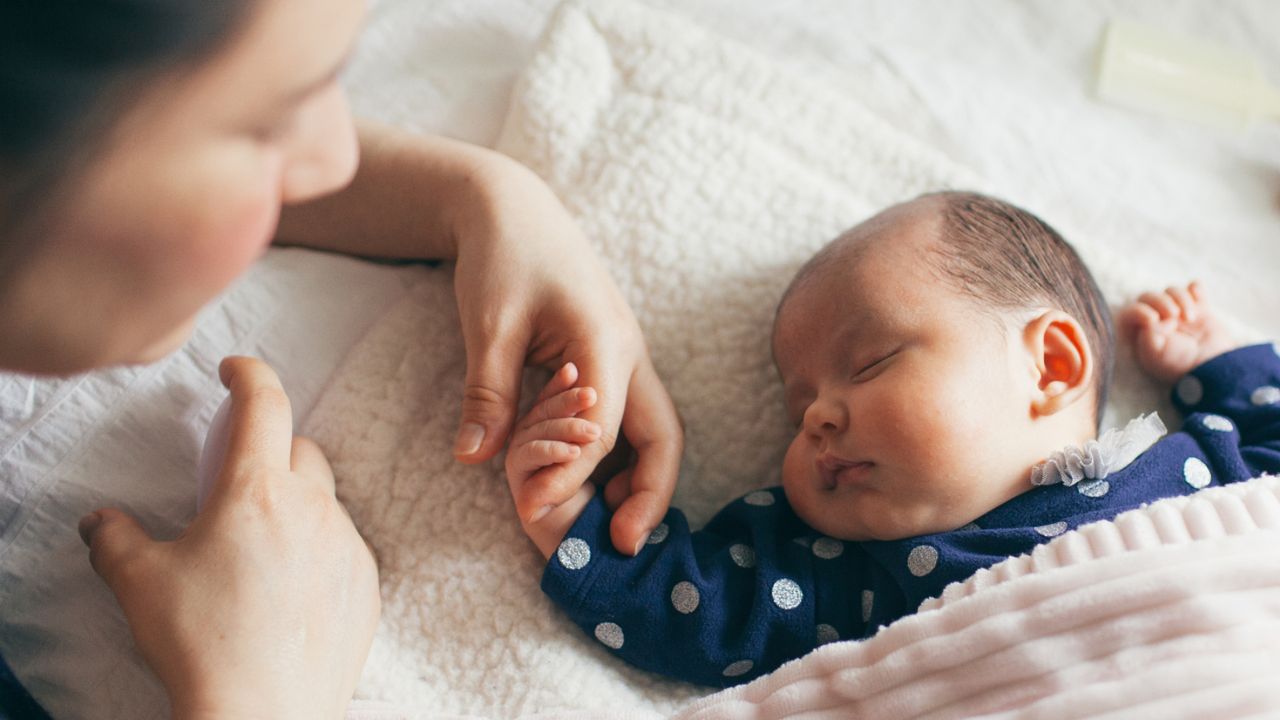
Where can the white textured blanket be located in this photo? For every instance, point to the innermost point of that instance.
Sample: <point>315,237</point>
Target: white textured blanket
<point>706,174</point>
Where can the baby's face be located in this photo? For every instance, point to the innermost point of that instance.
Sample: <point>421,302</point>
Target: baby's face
<point>908,403</point>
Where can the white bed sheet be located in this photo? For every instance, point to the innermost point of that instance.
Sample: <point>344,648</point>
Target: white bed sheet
<point>1003,87</point>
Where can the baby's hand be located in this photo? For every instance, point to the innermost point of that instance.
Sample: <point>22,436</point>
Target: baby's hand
<point>548,435</point>
<point>1173,331</point>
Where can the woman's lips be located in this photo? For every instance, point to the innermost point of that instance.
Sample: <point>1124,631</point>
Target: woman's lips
<point>836,471</point>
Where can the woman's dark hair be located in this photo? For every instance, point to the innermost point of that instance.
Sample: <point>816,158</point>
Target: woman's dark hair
<point>69,69</point>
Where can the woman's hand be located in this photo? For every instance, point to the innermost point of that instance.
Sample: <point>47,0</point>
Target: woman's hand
<point>1174,331</point>
<point>265,606</point>
<point>531,290</point>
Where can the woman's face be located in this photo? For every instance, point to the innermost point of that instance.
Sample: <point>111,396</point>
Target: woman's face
<point>186,193</point>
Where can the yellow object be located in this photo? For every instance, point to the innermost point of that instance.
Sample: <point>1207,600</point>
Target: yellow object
<point>1147,69</point>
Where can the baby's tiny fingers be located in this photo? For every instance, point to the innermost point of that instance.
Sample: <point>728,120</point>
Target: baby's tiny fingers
<point>1188,307</point>
<point>571,430</point>
<point>1197,291</point>
<point>537,454</point>
<point>1163,304</point>
<point>1137,317</point>
<point>564,379</point>
<point>550,452</point>
<point>564,405</point>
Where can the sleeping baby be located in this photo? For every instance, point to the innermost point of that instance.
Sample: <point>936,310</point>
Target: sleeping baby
<point>945,364</point>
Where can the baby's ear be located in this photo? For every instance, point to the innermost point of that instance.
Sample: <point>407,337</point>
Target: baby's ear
<point>1062,362</point>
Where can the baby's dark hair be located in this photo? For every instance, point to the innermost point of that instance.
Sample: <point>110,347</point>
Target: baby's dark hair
<point>1002,255</point>
<point>1005,258</point>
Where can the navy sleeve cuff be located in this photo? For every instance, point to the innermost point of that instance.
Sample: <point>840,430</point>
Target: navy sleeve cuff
<point>1243,385</point>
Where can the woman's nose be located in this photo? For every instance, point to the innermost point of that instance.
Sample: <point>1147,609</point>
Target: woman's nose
<point>323,153</point>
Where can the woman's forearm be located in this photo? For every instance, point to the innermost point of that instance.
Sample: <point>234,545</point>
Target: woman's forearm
<point>409,196</point>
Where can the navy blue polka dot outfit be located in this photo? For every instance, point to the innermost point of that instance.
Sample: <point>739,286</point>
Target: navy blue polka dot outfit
<point>757,587</point>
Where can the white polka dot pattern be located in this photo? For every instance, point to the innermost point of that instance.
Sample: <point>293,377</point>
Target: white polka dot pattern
<point>968,527</point>
<point>828,548</point>
<point>1052,529</point>
<point>922,560</point>
<point>868,602</point>
<point>610,635</point>
<point>1217,422</point>
<point>743,556</point>
<point>1275,348</point>
<point>1196,473</point>
<point>759,498</point>
<point>685,597</point>
<point>658,535</point>
<point>1190,390</point>
<point>1265,395</point>
<point>1093,488</point>
<point>574,553</point>
<point>742,667</point>
<point>787,594</point>
<point>827,634</point>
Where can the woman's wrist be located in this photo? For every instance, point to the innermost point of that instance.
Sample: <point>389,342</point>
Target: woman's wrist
<point>503,201</point>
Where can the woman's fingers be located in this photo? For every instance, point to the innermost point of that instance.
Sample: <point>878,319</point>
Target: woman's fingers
<point>652,426</point>
<point>308,460</point>
<point>118,546</point>
<point>495,364</point>
<point>260,436</point>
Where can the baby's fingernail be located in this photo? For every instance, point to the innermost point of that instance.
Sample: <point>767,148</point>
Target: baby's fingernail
<point>470,435</point>
<point>593,430</point>
<point>541,513</point>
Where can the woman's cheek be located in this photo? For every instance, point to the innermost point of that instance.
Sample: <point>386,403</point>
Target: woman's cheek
<point>235,237</point>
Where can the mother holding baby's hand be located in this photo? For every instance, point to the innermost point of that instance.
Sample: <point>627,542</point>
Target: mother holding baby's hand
<point>146,150</point>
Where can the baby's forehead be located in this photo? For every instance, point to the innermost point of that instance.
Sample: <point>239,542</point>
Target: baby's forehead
<point>898,240</point>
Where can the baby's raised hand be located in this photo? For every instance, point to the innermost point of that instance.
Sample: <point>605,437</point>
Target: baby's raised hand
<point>549,435</point>
<point>1174,331</point>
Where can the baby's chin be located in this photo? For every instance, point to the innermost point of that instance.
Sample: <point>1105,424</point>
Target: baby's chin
<point>881,527</point>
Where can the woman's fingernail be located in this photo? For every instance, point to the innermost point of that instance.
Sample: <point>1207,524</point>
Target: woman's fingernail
<point>639,547</point>
<point>541,513</point>
<point>470,435</point>
<point>87,525</point>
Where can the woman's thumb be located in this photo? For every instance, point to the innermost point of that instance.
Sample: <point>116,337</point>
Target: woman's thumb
<point>115,540</point>
<point>489,399</point>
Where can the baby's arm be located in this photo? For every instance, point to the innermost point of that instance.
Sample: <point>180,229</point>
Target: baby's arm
<point>549,435</point>
<point>1230,395</point>
<point>1174,331</point>
<point>722,605</point>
